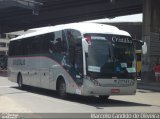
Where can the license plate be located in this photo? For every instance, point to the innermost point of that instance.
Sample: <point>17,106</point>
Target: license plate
<point>115,90</point>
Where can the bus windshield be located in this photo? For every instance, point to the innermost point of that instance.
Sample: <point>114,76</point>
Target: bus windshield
<point>111,56</point>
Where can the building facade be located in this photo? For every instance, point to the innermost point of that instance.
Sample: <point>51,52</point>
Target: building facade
<point>4,43</point>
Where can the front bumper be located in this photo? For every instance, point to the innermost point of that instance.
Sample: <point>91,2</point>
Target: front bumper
<point>109,88</point>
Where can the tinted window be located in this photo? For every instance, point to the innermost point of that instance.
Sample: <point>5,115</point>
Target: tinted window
<point>15,48</point>
<point>31,45</point>
<point>75,49</point>
<point>2,44</point>
<point>55,43</point>
<point>25,46</point>
<point>35,44</point>
<point>47,43</point>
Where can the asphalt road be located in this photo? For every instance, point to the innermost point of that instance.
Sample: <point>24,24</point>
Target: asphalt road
<point>33,100</point>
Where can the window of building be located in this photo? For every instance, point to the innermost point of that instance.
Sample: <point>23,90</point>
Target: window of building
<point>2,44</point>
<point>2,53</point>
<point>3,35</point>
<point>10,36</point>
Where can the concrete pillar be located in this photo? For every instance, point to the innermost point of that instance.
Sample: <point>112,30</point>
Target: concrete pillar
<point>1,28</point>
<point>151,35</point>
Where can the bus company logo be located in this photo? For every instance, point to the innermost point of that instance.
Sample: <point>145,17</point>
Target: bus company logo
<point>118,39</point>
<point>19,62</point>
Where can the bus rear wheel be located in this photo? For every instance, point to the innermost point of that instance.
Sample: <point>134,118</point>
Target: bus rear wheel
<point>20,81</point>
<point>62,89</point>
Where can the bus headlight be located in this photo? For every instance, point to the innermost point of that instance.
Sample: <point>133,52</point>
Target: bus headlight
<point>96,83</point>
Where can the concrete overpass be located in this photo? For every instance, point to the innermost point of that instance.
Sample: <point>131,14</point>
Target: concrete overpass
<point>25,14</point>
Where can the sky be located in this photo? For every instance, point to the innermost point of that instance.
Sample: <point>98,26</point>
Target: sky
<point>127,18</point>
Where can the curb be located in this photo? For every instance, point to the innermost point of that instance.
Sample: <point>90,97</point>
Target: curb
<point>149,86</point>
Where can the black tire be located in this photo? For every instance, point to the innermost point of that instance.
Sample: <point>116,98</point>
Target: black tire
<point>20,81</point>
<point>62,89</point>
<point>103,97</point>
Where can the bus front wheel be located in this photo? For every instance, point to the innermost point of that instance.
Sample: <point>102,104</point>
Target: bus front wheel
<point>62,89</point>
<point>103,97</point>
<point>20,81</point>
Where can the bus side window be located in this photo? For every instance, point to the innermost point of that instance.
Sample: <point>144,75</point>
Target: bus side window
<point>60,42</point>
<point>71,46</point>
<point>64,42</point>
<point>34,45</point>
<point>48,43</point>
<point>26,45</point>
<point>17,48</point>
<point>56,43</point>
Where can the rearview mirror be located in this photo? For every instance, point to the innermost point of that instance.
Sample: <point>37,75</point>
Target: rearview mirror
<point>144,48</point>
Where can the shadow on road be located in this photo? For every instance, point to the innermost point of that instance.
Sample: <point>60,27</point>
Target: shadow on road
<point>96,102</point>
<point>91,101</point>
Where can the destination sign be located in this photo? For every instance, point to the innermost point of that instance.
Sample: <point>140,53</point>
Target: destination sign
<point>118,39</point>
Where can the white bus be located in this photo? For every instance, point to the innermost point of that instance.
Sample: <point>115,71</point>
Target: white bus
<point>80,58</point>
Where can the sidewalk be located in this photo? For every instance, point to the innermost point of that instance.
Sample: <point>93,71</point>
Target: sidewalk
<point>8,104</point>
<point>155,86</point>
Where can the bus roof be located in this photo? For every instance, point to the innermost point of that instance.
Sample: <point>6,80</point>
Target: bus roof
<point>83,27</point>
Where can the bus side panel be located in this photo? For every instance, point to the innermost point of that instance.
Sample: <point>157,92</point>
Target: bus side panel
<point>46,71</point>
<point>33,71</point>
<point>40,72</point>
<point>12,75</point>
<point>18,66</point>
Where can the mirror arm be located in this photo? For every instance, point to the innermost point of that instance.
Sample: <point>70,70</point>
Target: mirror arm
<point>139,42</point>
